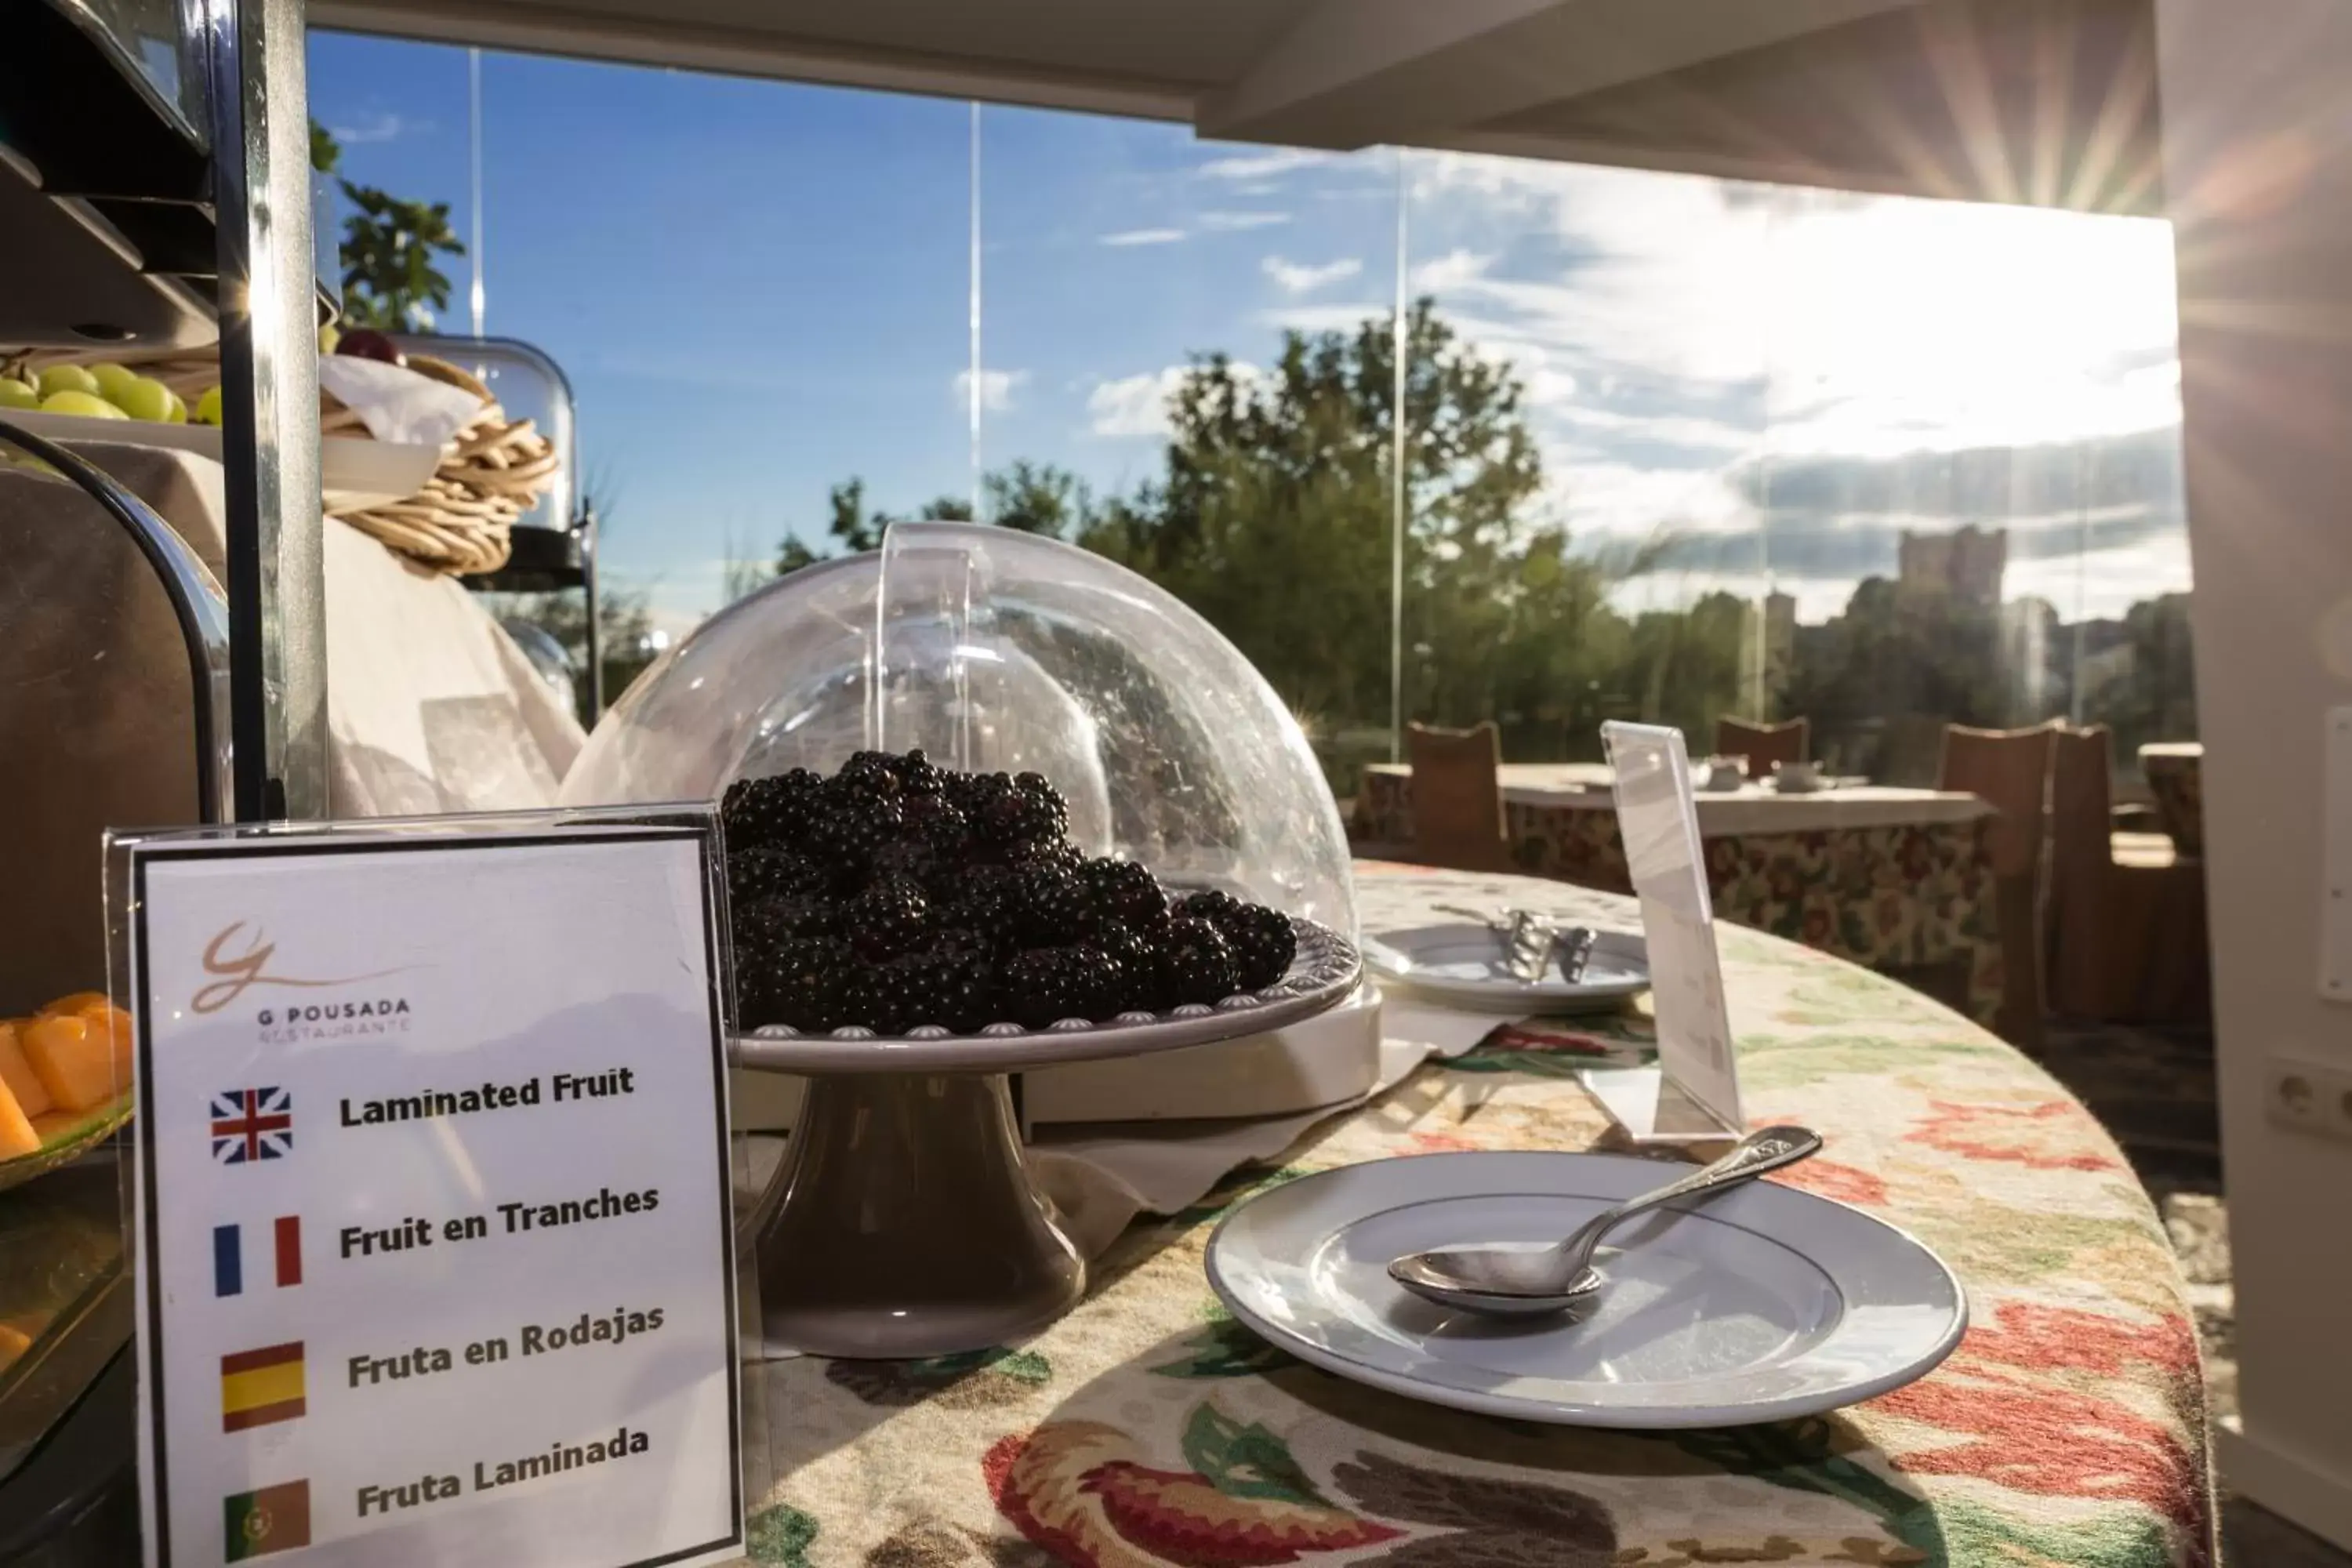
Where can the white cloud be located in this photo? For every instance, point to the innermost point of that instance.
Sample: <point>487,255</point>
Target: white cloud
<point>1261,165</point>
<point>381,126</point>
<point>1141,237</point>
<point>1133,404</point>
<point>1138,404</point>
<point>1452,270</point>
<point>996,388</point>
<point>1300,278</point>
<point>1231,221</point>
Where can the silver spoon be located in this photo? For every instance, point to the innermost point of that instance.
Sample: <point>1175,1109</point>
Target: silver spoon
<point>1517,1283</point>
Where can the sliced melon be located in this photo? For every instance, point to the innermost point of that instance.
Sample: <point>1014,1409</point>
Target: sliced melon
<point>79,1002</point>
<point>112,1024</point>
<point>16,1134</point>
<point>16,1075</point>
<point>74,1059</point>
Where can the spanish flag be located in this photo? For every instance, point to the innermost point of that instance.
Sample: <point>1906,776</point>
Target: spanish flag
<point>261,1386</point>
<point>274,1518</point>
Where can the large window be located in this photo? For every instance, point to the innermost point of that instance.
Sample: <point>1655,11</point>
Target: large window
<point>1673,447</point>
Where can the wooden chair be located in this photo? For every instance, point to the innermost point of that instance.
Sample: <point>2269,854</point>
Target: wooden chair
<point>2010,771</point>
<point>1764,745</point>
<point>1457,798</point>
<point>2124,931</point>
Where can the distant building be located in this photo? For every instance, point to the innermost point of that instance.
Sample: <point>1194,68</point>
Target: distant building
<point>1967,564</point>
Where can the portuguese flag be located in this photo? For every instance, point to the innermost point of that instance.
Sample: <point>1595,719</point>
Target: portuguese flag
<point>274,1518</point>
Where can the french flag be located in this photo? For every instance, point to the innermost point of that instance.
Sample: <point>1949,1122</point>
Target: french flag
<point>228,1255</point>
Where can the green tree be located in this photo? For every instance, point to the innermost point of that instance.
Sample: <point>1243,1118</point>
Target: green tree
<point>1274,519</point>
<point>390,281</point>
<point>388,249</point>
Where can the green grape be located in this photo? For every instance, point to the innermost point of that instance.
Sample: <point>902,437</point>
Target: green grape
<point>179,415</point>
<point>67,378</point>
<point>114,381</point>
<point>144,399</point>
<point>208,407</point>
<point>88,404</point>
<point>16,394</point>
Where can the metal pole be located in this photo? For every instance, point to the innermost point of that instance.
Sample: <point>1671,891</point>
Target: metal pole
<point>474,149</point>
<point>973,374</point>
<point>270,406</point>
<point>1399,492</point>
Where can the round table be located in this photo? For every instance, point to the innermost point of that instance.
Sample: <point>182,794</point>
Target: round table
<point>1146,1430</point>
<point>1899,880</point>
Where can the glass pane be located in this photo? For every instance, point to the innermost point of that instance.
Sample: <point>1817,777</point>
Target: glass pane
<point>1185,366</point>
<point>1589,545</point>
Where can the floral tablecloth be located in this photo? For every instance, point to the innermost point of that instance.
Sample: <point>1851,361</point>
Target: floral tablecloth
<point>1147,1430</point>
<point>1913,899</point>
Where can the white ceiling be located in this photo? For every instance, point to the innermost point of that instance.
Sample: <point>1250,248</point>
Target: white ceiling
<point>2049,102</point>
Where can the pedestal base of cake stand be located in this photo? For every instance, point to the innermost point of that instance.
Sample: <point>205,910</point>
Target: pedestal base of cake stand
<point>905,1223</point>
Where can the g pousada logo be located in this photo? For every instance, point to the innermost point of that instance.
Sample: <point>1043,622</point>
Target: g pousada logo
<point>236,967</point>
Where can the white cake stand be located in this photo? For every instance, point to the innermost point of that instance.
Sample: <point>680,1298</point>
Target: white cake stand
<point>903,1221</point>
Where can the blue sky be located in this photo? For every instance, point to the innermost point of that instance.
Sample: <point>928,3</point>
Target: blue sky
<point>759,289</point>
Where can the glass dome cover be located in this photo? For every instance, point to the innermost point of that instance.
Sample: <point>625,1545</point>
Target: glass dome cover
<point>995,650</point>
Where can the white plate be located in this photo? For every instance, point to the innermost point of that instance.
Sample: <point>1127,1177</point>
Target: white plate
<point>354,474</point>
<point>1766,1304</point>
<point>1464,964</point>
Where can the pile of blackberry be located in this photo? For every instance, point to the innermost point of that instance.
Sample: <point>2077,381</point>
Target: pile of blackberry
<point>896,893</point>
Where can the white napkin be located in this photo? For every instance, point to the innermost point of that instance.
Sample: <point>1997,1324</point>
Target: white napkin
<point>395,403</point>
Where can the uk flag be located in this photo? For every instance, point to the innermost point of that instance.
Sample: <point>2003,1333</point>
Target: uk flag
<point>251,1125</point>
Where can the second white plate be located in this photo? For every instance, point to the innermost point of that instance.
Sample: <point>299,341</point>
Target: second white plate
<point>1463,963</point>
<point>1766,1304</point>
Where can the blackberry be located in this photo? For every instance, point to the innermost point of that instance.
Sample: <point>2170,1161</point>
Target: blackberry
<point>944,986</point>
<point>875,995</point>
<point>1262,940</point>
<point>1212,906</point>
<point>767,872</point>
<point>1138,967</point>
<point>918,775</point>
<point>935,820</point>
<point>1263,944</point>
<point>799,984</point>
<point>887,918</point>
<point>1050,906</point>
<point>764,926</point>
<point>984,898</point>
<point>912,860</point>
<point>877,771</point>
<point>855,823</point>
<point>1046,984</point>
<point>971,793</point>
<point>1125,895</point>
<point>1058,852</point>
<point>1195,963</point>
<point>776,810</point>
<point>1019,811</point>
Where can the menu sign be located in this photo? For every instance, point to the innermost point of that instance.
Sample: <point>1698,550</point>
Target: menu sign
<point>434,1249</point>
<point>1697,1089</point>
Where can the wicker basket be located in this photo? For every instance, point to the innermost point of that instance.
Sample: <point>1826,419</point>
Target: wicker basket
<point>491,472</point>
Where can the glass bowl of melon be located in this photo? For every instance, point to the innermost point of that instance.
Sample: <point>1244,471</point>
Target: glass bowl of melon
<point>65,1082</point>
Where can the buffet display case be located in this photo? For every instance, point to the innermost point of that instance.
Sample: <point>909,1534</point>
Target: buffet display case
<point>151,678</point>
